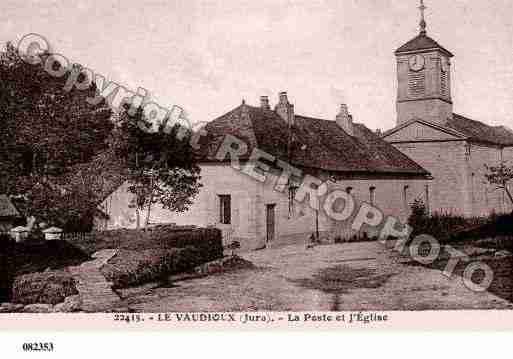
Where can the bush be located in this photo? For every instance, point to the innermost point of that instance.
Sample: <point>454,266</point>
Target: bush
<point>37,256</point>
<point>446,227</point>
<point>7,270</point>
<point>130,267</point>
<point>33,256</point>
<point>50,287</point>
<point>208,241</point>
<point>495,225</point>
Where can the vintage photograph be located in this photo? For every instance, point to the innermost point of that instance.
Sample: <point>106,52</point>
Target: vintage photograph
<point>205,157</point>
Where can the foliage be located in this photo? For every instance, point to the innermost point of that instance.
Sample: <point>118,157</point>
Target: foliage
<point>36,256</point>
<point>46,130</point>
<point>207,240</point>
<point>494,226</point>
<point>442,226</point>
<point>49,128</point>
<point>162,166</point>
<point>418,215</point>
<point>129,267</point>
<point>49,287</point>
<point>154,254</point>
<point>500,176</point>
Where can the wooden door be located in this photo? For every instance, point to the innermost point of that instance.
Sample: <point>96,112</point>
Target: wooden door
<point>270,222</point>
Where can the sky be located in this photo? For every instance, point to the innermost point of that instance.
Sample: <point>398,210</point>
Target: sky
<point>207,56</point>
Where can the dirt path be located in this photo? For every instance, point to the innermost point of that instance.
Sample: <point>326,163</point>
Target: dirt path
<point>357,276</point>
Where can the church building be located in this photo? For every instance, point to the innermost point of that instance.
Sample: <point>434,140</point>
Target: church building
<point>453,148</point>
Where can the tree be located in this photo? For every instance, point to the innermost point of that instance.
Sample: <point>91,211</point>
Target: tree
<point>500,176</point>
<point>45,129</point>
<point>161,165</point>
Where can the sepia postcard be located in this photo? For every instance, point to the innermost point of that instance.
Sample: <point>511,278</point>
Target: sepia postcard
<point>268,164</point>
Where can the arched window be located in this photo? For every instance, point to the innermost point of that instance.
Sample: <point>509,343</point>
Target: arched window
<point>372,195</point>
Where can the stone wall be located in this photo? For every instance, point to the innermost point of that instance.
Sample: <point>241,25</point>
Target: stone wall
<point>447,164</point>
<point>483,198</point>
<point>249,199</point>
<point>459,184</point>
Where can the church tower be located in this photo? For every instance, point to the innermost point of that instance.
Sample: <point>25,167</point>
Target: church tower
<point>424,79</point>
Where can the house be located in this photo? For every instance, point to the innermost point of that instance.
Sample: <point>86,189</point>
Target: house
<point>452,147</point>
<point>10,217</point>
<point>341,153</point>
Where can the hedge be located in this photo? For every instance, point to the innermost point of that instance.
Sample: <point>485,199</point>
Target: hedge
<point>131,267</point>
<point>208,241</point>
<point>50,287</point>
<point>447,227</point>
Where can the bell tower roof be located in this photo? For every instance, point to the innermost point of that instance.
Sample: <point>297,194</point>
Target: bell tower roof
<point>422,42</point>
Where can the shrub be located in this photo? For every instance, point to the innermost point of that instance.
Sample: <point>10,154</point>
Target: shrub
<point>50,287</point>
<point>7,269</point>
<point>447,227</point>
<point>130,267</point>
<point>33,256</point>
<point>155,253</point>
<point>37,256</point>
<point>494,226</point>
<point>208,241</point>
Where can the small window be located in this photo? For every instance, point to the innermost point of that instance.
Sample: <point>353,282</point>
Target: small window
<point>426,190</point>
<point>405,197</point>
<point>292,196</point>
<point>225,209</point>
<point>372,195</point>
<point>419,132</point>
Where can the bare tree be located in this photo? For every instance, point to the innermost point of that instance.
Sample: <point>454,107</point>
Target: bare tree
<point>500,176</point>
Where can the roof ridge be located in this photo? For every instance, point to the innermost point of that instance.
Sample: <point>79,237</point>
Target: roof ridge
<point>422,42</point>
<point>320,143</point>
<point>471,119</point>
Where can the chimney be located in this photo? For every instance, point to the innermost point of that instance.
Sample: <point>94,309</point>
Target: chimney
<point>285,109</point>
<point>345,120</point>
<point>264,103</point>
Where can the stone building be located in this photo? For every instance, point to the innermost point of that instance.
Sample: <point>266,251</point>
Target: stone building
<point>453,148</point>
<point>344,154</point>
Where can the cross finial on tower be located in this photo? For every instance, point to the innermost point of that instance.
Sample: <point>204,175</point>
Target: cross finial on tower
<point>423,25</point>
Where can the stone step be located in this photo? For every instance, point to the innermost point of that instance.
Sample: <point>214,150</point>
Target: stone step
<point>94,290</point>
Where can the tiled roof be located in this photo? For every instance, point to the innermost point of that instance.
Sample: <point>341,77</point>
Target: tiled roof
<point>466,129</point>
<point>481,132</point>
<point>316,144</point>
<point>7,209</point>
<point>422,42</point>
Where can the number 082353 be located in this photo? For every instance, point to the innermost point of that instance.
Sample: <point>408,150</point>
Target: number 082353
<point>38,347</point>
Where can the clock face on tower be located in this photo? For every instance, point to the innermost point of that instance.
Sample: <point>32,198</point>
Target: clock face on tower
<point>417,62</point>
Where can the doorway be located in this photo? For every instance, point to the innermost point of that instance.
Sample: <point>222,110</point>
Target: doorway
<point>270,222</point>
